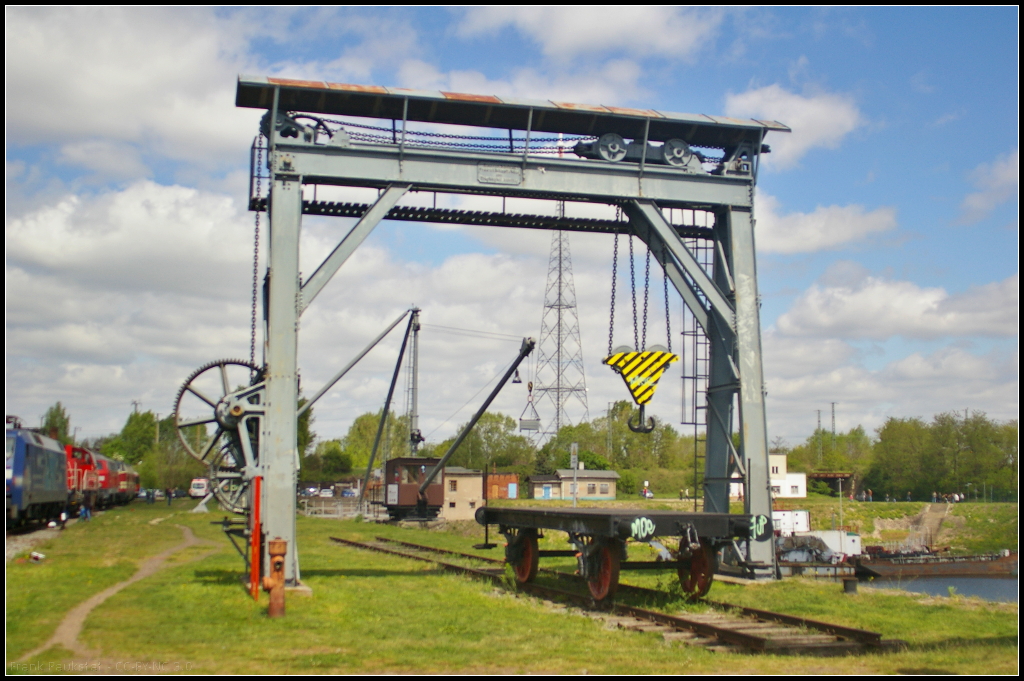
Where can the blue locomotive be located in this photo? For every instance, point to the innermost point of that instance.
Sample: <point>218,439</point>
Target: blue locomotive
<point>37,477</point>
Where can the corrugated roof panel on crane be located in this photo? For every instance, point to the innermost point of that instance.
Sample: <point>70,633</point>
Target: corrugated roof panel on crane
<point>432,106</point>
<point>581,107</point>
<point>463,97</point>
<point>375,89</point>
<point>626,111</point>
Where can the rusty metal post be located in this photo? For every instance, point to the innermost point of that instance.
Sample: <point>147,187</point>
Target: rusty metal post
<point>255,539</point>
<point>274,582</point>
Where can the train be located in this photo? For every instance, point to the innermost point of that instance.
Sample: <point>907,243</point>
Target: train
<point>46,478</point>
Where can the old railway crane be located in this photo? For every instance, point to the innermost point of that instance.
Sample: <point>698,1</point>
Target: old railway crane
<point>660,169</point>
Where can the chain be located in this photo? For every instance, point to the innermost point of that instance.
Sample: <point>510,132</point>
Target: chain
<point>615,269</point>
<point>647,290</point>
<point>668,323</point>
<point>632,285</point>
<point>256,253</point>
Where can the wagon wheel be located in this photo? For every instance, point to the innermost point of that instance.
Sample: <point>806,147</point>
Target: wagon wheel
<point>698,571</point>
<point>524,564</point>
<point>605,582</point>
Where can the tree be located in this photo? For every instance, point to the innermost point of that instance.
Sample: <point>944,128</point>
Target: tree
<point>851,452</point>
<point>590,460</point>
<point>57,424</point>
<point>136,439</point>
<point>336,462</point>
<point>493,441</point>
<point>358,442</point>
<point>304,433</point>
<point>901,448</point>
<point>167,464</point>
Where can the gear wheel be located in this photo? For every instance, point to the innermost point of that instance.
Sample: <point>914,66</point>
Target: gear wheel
<point>198,385</point>
<point>206,397</point>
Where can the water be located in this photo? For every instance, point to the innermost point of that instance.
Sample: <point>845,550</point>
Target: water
<point>990,588</point>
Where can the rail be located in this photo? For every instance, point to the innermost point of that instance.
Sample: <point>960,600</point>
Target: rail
<point>746,629</point>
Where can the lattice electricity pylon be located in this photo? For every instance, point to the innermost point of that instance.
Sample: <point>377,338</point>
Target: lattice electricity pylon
<point>560,377</point>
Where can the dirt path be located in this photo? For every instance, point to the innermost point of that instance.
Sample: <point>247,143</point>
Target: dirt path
<point>71,626</point>
<point>931,521</point>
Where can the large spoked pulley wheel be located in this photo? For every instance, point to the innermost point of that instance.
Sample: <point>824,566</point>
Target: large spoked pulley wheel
<point>217,419</point>
<point>228,482</point>
<point>697,572</point>
<point>202,406</point>
<point>524,556</point>
<point>604,580</point>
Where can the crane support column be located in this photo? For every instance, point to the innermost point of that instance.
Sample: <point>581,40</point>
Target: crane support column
<point>753,426</point>
<point>279,454</point>
<point>725,302</point>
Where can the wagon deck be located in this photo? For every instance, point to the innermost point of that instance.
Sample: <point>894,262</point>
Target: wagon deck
<point>599,537</point>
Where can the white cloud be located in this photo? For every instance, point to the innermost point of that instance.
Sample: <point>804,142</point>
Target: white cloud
<point>998,182</point>
<point>916,385</point>
<point>162,78</point>
<point>108,159</point>
<point>877,308</point>
<point>817,120</point>
<point>568,31</point>
<point>616,82</point>
<point>791,358</point>
<point>147,237</point>
<point>827,228</point>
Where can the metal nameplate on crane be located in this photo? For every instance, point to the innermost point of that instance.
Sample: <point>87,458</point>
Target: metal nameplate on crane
<point>494,174</point>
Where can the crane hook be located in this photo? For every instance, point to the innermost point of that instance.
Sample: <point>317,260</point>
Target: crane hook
<point>640,426</point>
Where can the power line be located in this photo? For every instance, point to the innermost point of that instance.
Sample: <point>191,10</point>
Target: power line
<point>476,333</point>
<point>501,371</point>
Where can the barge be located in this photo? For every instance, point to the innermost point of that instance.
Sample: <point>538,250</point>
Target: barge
<point>934,565</point>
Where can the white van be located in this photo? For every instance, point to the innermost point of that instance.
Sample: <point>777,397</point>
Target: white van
<point>199,488</point>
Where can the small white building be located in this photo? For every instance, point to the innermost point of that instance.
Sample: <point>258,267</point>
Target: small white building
<point>785,485</point>
<point>593,485</point>
<point>463,493</point>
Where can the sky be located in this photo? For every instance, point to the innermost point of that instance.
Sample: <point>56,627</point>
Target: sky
<point>887,221</point>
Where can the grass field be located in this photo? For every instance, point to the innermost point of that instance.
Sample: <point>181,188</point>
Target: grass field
<point>370,613</point>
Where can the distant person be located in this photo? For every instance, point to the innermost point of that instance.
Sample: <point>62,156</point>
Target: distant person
<point>86,511</point>
<point>908,495</point>
<point>935,497</point>
<point>170,495</point>
<point>871,495</point>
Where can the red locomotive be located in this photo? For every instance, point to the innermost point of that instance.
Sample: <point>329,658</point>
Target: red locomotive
<point>108,480</point>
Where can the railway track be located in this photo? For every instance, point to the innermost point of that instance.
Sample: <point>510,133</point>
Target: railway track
<point>729,628</point>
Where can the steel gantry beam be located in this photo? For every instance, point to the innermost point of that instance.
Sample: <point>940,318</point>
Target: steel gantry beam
<point>662,167</point>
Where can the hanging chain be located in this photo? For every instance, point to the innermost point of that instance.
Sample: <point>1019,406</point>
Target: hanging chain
<point>615,269</point>
<point>668,322</point>
<point>647,290</point>
<point>632,285</point>
<point>256,253</point>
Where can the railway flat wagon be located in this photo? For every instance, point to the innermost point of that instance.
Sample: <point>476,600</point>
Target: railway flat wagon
<point>599,537</point>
